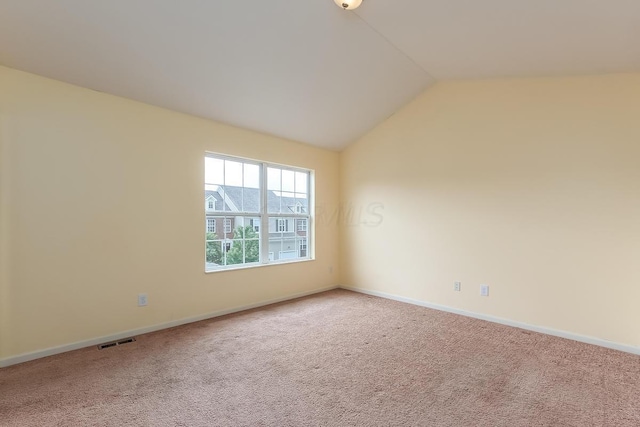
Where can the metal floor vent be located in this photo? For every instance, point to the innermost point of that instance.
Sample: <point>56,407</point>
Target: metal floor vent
<point>115,343</point>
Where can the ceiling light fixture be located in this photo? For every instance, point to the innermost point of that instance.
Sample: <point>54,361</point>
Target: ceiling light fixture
<point>348,4</point>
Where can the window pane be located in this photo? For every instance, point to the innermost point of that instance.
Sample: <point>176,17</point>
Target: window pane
<point>213,171</point>
<point>214,201</point>
<point>282,226</point>
<point>227,204</point>
<point>288,201</point>
<point>238,227</point>
<point>236,188</point>
<point>251,200</point>
<point>288,238</point>
<point>252,250</point>
<point>245,246</point>
<point>283,248</point>
<point>273,201</point>
<point>288,180</point>
<point>236,253</point>
<point>288,254</point>
<point>215,227</point>
<point>214,254</point>
<point>232,173</point>
<point>302,203</point>
<point>251,176</point>
<point>301,182</point>
<point>302,248</point>
<point>275,248</point>
<point>273,179</point>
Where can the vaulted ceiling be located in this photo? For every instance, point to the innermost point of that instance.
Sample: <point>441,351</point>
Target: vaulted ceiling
<point>306,70</point>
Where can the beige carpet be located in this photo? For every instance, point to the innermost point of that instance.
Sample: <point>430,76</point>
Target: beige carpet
<point>334,359</point>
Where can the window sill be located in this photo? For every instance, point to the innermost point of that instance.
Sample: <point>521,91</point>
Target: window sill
<point>247,267</point>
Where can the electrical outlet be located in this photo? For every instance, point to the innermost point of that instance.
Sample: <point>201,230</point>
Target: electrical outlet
<point>457,286</point>
<point>142,300</point>
<point>484,290</point>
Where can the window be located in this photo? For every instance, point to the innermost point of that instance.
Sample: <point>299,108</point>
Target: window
<point>248,196</point>
<point>283,225</point>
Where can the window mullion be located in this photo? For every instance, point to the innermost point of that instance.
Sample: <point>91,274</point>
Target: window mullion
<point>264,216</point>
<point>309,234</point>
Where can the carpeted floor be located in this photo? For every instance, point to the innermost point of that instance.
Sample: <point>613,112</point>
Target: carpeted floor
<point>333,359</point>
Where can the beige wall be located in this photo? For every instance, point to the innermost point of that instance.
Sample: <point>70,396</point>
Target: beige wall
<point>103,198</point>
<point>4,241</point>
<point>531,186</point>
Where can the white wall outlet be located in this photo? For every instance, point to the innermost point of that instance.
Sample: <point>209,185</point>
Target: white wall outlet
<point>457,286</point>
<point>484,290</point>
<point>142,300</point>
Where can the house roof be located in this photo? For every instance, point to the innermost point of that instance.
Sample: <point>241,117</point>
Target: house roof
<point>240,199</point>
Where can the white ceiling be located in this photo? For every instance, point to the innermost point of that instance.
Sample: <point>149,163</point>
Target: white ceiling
<point>306,70</point>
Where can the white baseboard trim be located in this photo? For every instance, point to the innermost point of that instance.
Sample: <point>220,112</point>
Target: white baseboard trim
<point>25,357</point>
<point>507,322</point>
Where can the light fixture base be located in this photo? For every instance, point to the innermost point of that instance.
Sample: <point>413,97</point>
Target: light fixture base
<point>348,4</point>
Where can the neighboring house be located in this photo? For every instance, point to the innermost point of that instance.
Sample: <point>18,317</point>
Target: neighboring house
<point>287,236</point>
<point>221,226</point>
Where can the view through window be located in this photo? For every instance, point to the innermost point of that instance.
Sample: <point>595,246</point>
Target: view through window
<point>243,198</point>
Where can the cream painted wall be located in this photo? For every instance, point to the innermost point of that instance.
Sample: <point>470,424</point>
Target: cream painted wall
<point>4,239</point>
<point>103,200</point>
<point>531,186</point>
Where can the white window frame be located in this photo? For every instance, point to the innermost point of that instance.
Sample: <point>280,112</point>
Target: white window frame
<point>302,224</point>
<point>213,222</point>
<point>227,226</point>
<point>266,257</point>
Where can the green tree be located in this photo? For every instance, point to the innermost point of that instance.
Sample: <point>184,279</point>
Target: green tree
<point>214,251</point>
<point>249,237</point>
